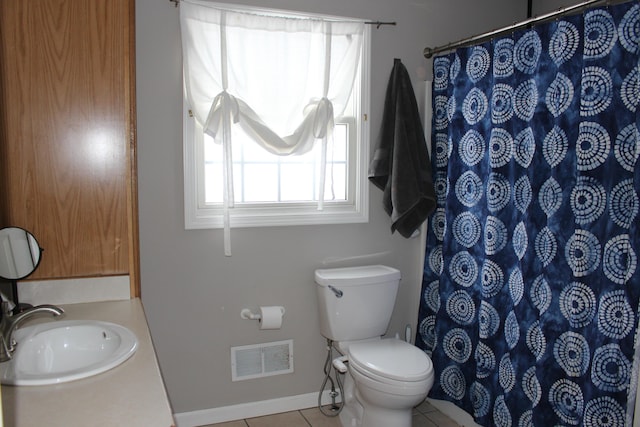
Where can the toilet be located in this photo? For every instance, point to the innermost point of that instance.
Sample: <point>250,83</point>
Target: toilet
<point>385,377</point>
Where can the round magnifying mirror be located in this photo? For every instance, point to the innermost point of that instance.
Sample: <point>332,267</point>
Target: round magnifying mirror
<point>20,253</point>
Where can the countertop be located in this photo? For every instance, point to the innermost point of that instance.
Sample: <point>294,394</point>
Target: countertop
<point>132,394</point>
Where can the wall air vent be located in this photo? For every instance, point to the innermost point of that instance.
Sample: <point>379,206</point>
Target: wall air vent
<point>261,360</point>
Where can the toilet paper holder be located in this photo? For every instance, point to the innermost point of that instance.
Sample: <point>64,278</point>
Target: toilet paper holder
<point>248,314</point>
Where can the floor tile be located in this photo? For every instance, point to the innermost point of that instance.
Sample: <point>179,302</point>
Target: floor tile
<point>424,415</point>
<point>426,407</point>
<point>318,419</point>
<point>286,419</point>
<point>441,420</point>
<point>239,423</point>
<point>419,420</point>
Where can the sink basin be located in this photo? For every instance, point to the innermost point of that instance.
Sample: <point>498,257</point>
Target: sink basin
<point>67,350</point>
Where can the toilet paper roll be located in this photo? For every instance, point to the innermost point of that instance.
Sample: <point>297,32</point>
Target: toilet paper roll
<point>271,317</point>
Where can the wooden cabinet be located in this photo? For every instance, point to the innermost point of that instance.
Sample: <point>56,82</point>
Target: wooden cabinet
<point>67,129</point>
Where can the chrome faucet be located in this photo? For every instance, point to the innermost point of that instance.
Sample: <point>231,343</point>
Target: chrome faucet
<point>9,323</point>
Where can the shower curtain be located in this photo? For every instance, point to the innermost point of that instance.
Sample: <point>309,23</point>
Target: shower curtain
<point>531,283</point>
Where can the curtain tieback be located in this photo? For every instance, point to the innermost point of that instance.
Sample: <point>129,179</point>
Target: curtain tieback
<point>323,120</point>
<point>216,113</point>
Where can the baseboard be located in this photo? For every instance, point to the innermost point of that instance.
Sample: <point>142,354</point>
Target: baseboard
<point>249,410</point>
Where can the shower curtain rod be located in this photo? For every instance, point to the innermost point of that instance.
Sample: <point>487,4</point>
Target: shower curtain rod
<point>430,51</point>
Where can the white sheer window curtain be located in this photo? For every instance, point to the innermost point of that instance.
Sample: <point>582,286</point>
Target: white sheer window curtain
<point>282,79</point>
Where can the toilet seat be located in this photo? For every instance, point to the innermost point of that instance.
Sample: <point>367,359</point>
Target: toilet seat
<point>390,361</point>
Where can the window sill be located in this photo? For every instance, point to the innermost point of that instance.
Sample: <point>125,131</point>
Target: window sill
<point>265,217</point>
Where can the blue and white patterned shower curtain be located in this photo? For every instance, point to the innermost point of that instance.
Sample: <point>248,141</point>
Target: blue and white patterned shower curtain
<point>531,281</point>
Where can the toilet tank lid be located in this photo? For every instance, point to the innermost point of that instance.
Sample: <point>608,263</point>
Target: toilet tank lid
<point>355,276</point>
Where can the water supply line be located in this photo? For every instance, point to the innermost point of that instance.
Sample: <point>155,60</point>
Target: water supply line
<point>335,409</point>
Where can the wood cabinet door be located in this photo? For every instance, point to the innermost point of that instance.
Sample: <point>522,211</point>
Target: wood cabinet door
<point>67,149</point>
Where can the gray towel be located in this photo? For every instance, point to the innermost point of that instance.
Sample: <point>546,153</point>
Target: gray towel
<point>400,165</point>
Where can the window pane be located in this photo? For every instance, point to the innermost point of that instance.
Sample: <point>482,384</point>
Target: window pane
<point>340,138</point>
<point>213,182</point>
<point>212,151</point>
<point>260,176</point>
<point>260,183</point>
<point>297,182</point>
<point>336,184</point>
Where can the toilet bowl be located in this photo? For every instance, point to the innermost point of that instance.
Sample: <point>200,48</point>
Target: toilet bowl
<point>384,378</point>
<point>390,377</point>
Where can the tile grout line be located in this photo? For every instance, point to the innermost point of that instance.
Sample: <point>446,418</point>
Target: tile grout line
<point>305,419</point>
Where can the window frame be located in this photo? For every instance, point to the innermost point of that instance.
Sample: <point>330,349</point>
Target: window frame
<point>198,215</point>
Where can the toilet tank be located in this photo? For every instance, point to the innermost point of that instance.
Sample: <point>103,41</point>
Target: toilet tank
<point>356,303</point>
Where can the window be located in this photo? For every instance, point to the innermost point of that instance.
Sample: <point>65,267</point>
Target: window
<point>268,188</point>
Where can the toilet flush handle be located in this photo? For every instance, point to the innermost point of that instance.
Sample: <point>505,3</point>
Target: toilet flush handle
<point>336,291</point>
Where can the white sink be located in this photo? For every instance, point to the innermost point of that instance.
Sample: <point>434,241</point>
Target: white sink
<point>61,351</point>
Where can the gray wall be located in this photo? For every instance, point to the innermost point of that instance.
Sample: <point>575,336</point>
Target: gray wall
<point>191,292</point>
<point>545,6</point>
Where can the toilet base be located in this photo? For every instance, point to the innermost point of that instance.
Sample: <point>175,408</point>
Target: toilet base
<point>350,418</point>
<point>354,415</point>
<point>358,412</point>
<point>351,414</point>
<point>378,417</point>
